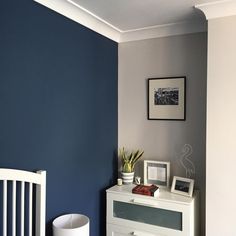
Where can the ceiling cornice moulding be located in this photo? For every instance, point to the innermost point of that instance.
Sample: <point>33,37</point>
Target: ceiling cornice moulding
<point>78,14</point>
<point>159,31</point>
<point>218,9</point>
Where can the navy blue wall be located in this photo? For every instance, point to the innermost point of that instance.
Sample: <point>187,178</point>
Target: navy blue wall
<point>58,107</point>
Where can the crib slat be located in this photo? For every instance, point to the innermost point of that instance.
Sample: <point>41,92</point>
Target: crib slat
<point>14,208</point>
<point>30,208</point>
<point>4,207</point>
<point>22,208</point>
<point>41,205</point>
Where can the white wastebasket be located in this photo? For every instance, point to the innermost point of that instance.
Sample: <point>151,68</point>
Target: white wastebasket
<point>71,225</point>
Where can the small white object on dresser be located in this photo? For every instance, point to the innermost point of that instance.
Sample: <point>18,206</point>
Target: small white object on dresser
<point>168,214</point>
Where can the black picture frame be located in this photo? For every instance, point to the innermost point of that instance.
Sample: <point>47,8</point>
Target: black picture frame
<point>167,98</point>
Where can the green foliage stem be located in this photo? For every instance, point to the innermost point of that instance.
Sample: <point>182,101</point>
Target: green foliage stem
<point>129,159</point>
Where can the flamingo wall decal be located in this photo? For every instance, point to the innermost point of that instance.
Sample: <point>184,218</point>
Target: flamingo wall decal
<point>186,162</point>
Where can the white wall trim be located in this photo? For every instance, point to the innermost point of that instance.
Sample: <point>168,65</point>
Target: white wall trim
<point>77,13</point>
<point>163,31</point>
<point>218,9</point>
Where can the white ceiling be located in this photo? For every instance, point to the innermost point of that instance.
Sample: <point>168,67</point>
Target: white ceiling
<point>128,20</point>
<point>126,15</point>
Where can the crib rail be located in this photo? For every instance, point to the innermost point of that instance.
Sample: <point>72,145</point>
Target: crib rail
<point>30,188</point>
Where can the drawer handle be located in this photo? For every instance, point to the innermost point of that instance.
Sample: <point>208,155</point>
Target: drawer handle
<point>141,234</point>
<point>133,233</point>
<point>143,203</point>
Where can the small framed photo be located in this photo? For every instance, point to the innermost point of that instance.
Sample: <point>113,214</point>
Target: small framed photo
<point>166,98</point>
<point>156,172</point>
<point>182,186</point>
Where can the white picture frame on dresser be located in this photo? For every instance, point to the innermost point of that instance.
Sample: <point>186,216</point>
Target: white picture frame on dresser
<point>182,186</point>
<point>156,172</point>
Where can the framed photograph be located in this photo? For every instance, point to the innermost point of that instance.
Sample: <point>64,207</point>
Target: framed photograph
<point>166,98</point>
<point>182,186</point>
<point>156,172</point>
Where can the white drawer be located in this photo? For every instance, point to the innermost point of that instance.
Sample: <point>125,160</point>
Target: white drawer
<point>115,230</point>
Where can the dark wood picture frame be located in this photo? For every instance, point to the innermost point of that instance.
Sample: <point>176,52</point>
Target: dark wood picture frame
<point>167,98</point>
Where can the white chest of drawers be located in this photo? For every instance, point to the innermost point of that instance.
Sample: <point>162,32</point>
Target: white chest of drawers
<point>166,215</point>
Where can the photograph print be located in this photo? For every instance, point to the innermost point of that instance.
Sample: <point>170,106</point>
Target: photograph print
<point>182,186</point>
<point>166,98</point>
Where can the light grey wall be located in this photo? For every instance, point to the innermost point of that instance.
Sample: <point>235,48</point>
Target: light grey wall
<point>184,55</point>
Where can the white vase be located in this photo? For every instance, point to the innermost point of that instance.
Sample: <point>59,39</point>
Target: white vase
<point>127,178</point>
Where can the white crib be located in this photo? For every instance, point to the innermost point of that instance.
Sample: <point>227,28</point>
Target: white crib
<point>16,182</point>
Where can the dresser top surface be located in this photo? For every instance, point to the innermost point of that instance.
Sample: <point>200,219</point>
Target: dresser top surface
<point>164,194</point>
